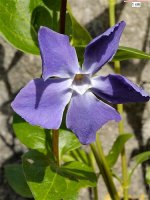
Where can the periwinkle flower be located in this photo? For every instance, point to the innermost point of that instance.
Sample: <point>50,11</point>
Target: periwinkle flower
<point>43,100</point>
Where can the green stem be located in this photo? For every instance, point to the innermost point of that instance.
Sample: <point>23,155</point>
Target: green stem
<point>120,110</point>
<point>104,168</point>
<point>117,67</point>
<point>95,191</point>
<point>92,163</point>
<point>112,12</point>
<point>125,176</point>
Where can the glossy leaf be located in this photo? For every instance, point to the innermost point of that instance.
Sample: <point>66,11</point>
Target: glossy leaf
<point>139,159</point>
<point>22,22</point>
<point>142,157</point>
<point>16,179</point>
<point>35,137</point>
<point>80,35</point>
<point>56,182</point>
<point>80,53</point>
<point>116,149</point>
<point>67,142</point>
<point>125,53</point>
<point>25,17</point>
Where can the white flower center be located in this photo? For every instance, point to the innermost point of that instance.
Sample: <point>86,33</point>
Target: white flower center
<point>81,83</point>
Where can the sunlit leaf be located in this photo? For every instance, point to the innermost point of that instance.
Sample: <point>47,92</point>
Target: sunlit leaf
<point>80,53</point>
<point>35,137</point>
<point>125,53</point>
<point>139,159</point>
<point>57,183</point>
<point>116,149</point>
<point>23,20</point>
<point>80,35</point>
<point>25,17</point>
<point>67,142</point>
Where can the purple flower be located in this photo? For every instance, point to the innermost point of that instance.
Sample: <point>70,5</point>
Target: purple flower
<point>43,100</point>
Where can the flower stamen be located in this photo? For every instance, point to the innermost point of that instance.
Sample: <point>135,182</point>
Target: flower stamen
<point>81,83</point>
<point>79,77</point>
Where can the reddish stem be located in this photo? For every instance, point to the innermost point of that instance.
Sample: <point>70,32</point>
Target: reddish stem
<point>63,16</point>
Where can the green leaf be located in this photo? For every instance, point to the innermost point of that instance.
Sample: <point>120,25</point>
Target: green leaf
<point>140,158</point>
<point>80,35</point>
<point>80,53</point>
<point>80,155</point>
<point>67,142</point>
<point>57,183</point>
<point>116,149</point>
<point>25,17</point>
<point>20,29</point>
<point>16,179</point>
<point>35,137</point>
<point>125,53</point>
<point>148,175</point>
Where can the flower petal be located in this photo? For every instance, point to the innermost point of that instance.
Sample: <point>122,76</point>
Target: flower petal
<point>86,114</point>
<point>43,102</point>
<point>118,89</point>
<point>58,56</point>
<point>101,49</point>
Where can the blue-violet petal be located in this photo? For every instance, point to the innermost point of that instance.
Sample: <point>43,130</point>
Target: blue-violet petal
<point>59,58</point>
<point>102,49</point>
<point>118,89</point>
<point>43,102</point>
<point>86,114</point>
